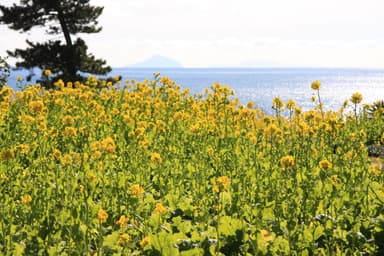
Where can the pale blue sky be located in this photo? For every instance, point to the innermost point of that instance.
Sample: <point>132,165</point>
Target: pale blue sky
<point>201,33</point>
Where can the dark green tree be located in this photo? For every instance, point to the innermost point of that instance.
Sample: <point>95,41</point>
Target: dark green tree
<point>4,72</point>
<point>67,60</point>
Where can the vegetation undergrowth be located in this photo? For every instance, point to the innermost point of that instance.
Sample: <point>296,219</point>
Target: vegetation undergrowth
<point>149,169</point>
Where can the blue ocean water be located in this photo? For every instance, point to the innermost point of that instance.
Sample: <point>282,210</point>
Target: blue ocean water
<point>261,85</point>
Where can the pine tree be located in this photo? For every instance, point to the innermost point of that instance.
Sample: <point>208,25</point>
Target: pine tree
<point>4,72</point>
<point>67,60</point>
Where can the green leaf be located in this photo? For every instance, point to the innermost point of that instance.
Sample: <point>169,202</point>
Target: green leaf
<point>111,239</point>
<point>228,226</point>
<point>164,243</point>
<point>319,231</point>
<point>193,252</point>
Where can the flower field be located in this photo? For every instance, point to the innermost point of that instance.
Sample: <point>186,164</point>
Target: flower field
<point>145,168</point>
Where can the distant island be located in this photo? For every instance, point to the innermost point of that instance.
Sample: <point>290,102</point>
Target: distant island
<point>157,61</point>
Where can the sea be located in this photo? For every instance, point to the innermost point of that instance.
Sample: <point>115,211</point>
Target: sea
<point>261,85</point>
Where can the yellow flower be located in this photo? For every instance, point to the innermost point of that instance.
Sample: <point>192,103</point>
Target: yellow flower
<point>7,154</point>
<point>166,81</point>
<point>145,241</point>
<point>272,130</point>
<point>287,162</point>
<point>266,236</point>
<point>70,131</point>
<point>315,85</point>
<point>91,177</point>
<point>59,83</point>
<point>23,148</point>
<point>122,222</point>
<point>250,104</point>
<point>136,190</point>
<point>291,104</point>
<point>19,79</point>
<point>277,103</point>
<point>47,72</point>
<point>3,176</point>
<point>123,239</point>
<point>325,165</point>
<point>36,106</point>
<point>68,120</point>
<point>26,199</point>
<point>221,184</point>
<point>156,158</point>
<point>356,98</point>
<point>102,216</point>
<point>56,153</point>
<point>335,180</point>
<point>66,159</point>
<point>251,136</point>
<point>97,154</point>
<point>108,145</point>
<point>159,208</point>
<point>375,169</point>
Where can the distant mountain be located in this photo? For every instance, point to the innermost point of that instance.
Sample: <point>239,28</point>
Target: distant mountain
<point>158,61</point>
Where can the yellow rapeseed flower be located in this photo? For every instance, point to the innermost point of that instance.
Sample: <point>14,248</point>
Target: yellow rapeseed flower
<point>108,145</point>
<point>166,81</point>
<point>66,159</point>
<point>375,169</point>
<point>26,199</point>
<point>272,130</point>
<point>136,190</point>
<point>23,148</point>
<point>287,162</point>
<point>221,184</point>
<point>56,154</point>
<point>335,180</point>
<point>266,236</point>
<point>315,85</point>
<point>325,165</point>
<point>156,158</point>
<point>7,154</point>
<point>70,132</point>
<point>123,239</point>
<point>145,241</point>
<point>159,208</point>
<point>92,177</point>
<point>356,98</point>
<point>47,72</point>
<point>68,120</point>
<point>122,222</point>
<point>36,106</point>
<point>291,104</point>
<point>277,103</point>
<point>60,83</point>
<point>102,216</point>
<point>250,104</point>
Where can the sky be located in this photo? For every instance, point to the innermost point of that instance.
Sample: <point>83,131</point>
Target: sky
<point>206,33</point>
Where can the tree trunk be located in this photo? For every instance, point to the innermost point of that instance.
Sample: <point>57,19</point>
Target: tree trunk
<point>71,50</point>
